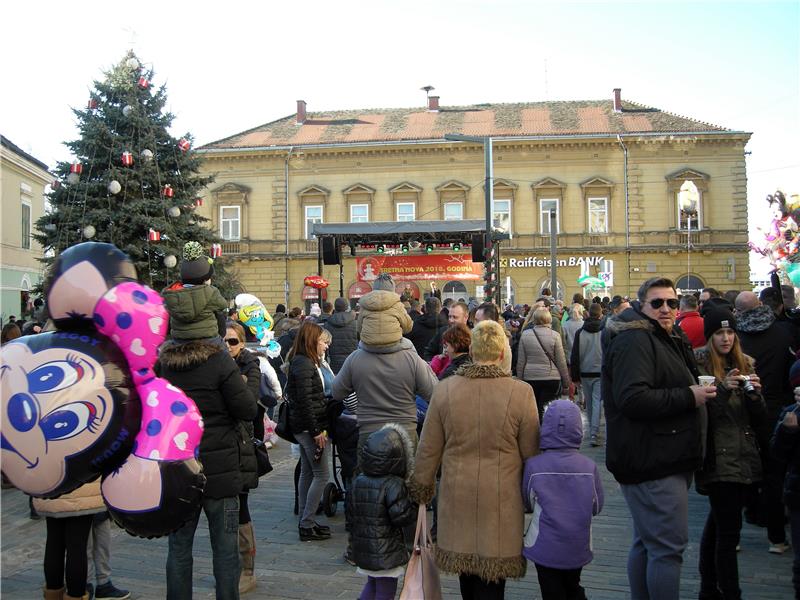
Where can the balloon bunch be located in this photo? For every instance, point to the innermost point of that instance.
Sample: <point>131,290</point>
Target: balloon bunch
<point>83,401</point>
<point>782,239</point>
<point>255,316</point>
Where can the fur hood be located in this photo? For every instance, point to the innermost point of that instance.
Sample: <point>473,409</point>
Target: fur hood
<point>755,320</point>
<point>474,371</point>
<point>628,319</point>
<point>182,357</point>
<point>378,300</point>
<point>388,451</point>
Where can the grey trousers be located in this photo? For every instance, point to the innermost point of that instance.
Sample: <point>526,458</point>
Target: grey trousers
<point>660,512</point>
<point>98,550</point>
<point>313,477</point>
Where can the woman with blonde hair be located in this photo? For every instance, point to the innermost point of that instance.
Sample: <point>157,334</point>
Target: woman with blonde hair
<point>480,427</point>
<point>541,362</point>
<point>732,461</point>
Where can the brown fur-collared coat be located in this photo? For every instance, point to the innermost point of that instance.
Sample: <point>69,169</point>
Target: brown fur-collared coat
<point>481,426</point>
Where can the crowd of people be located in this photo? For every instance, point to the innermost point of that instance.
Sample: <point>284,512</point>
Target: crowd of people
<point>475,413</point>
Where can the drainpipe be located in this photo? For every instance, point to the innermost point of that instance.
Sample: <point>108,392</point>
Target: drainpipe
<point>627,213</point>
<point>286,257</point>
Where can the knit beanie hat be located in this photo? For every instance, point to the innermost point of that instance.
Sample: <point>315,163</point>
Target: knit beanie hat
<point>384,282</point>
<point>196,268</point>
<point>716,318</point>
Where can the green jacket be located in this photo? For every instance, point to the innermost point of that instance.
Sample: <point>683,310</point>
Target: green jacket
<point>732,453</point>
<point>192,310</point>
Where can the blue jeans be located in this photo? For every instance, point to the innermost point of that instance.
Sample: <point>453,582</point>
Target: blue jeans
<point>223,529</point>
<point>594,403</point>
<point>660,511</point>
<point>313,477</point>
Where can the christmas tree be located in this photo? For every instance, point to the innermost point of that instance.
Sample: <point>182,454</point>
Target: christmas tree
<point>131,184</point>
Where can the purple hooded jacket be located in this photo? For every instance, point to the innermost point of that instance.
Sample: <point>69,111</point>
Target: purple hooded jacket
<point>563,489</point>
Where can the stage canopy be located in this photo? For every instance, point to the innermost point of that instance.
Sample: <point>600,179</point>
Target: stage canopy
<point>400,232</point>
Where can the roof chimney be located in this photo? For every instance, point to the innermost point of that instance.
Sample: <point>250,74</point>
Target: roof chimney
<point>617,99</point>
<point>301,112</point>
<point>433,103</point>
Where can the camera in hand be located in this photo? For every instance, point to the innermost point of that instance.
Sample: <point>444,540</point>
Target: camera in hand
<point>747,385</point>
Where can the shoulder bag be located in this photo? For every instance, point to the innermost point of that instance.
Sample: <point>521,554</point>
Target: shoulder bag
<point>282,424</point>
<point>422,575</point>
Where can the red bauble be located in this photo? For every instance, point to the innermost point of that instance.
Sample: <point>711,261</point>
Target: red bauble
<point>127,159</point>
<point>76,167</point>
<point>168,191</point>
<point>184,144</point>
<point>198,202</point>
<point>143,82</point>
<point>92,104</point>
<point>216,250</point>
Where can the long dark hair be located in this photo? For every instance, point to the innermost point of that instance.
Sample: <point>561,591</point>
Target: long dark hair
<point>305,344</point>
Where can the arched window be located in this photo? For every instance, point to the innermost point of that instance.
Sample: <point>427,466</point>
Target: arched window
<point>455,290</point>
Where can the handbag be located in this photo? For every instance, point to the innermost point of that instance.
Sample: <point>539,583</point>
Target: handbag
<point>282,426</point>
<point>262,458</point>
<point>421,581</point>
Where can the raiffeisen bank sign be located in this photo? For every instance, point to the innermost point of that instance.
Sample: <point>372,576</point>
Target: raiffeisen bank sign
<point>536,261</point>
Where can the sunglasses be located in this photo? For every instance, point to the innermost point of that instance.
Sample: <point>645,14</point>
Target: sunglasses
<point>236,342</point>
<point>659,302</point>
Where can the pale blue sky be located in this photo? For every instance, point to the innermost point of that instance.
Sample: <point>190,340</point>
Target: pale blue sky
<point>232,66</point>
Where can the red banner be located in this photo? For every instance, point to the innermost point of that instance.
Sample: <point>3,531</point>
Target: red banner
<point>413,267</point>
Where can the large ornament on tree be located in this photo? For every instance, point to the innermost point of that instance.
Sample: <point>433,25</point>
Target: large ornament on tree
<point>168,191</point>
<point>184,144</point>
<point>143,82</point>
<point>89,232</point>
<point>170,261</point>
<point>127,110</point>
<point>132,63</point>
<point>114,187</point>
<point>147,155</point>
<point>174,211</point>
<point>127,159</point>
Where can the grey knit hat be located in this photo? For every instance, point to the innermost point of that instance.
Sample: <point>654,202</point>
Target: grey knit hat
<point>384,282</point>
<point>196,267</point>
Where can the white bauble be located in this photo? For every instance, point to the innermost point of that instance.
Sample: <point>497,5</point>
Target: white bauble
<point>170,261</point>
<point>127,110</point>
<point>89,232</point>
<point>73,178</point>
<point>114,187</point>
<point>174,211</point>
<point>147,155</point>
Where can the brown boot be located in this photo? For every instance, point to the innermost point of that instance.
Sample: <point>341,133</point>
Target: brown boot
<point>53,594</point>
<point>247,558</point>
<point>84,597</point>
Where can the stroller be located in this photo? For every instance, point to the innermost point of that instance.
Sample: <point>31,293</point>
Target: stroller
<point>343,435</point>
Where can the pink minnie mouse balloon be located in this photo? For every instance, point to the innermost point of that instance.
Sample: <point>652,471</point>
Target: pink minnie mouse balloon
<point>163,467</point>
<point>68,413</point>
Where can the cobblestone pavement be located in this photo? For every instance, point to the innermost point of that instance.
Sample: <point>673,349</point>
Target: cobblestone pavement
<point>287,568</point>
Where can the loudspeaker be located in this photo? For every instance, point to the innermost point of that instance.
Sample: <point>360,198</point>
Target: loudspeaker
<point>477,247</point>
<point>330,251</point>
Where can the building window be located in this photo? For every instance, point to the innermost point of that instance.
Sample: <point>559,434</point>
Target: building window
<point>501,217</point>
<point>598,215</point>
<point>359,213</point>
<point>230,223</point>
<point>313,215</point>
<point>26,225</point>
<point>545,206</point>
<point>453,211</point>
<point>406,211</point>
<point>689,191</point>
<point>688,204</point>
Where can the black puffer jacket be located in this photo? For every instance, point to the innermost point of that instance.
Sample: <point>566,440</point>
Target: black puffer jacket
<point>210,377</point>
<point>379,502</point>
<point>249,368</point>
<point>344,334</point>
<point>785,447</point>
<point>653,425</point>
<point>425,329</point>
<point>769,343</point>
<point>305,391</point>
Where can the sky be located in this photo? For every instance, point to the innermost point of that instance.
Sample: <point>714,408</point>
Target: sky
<point>232,66</point>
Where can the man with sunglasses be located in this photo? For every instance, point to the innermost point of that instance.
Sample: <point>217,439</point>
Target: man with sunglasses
<point>651,399</point>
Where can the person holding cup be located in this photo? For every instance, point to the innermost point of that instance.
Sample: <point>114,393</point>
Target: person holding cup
<point>731,460</point>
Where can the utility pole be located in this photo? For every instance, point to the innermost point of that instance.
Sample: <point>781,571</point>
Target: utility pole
<point>553,277</point>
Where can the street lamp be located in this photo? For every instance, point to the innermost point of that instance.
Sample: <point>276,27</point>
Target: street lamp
<point>488,187</point>
<point>688,201</point>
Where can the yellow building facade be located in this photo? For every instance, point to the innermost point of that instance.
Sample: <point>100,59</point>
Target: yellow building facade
<point>613,171</point>
<point>23,179</point>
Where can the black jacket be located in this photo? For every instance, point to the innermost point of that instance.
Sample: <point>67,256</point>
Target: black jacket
<point>770,345</point>
<point>652,423</point>
<point>210,377</point>
<point>455,365</point>
<point>249,368</point>
<point>379,502</point>
<point>344,334</point>
<point>306,394</point>
<point>785,447</point>
<point>424,330</point>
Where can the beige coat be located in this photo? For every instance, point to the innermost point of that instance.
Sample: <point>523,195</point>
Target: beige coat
<point>533,363</point>
<point>383,319</point>
<point>481,425</point>
<point>86,500</point>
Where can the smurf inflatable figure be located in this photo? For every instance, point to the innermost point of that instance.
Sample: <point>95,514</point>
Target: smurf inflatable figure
<point>254,315</point>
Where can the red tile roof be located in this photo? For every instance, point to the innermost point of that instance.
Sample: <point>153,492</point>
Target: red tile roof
<point>560,118</point>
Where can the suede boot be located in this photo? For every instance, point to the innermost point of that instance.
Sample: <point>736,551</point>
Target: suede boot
<point>84,597</point>
<point>53,594</point>
<point>247,558</point>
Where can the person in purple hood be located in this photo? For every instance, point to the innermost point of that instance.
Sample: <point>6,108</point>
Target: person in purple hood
<point>563,489</point>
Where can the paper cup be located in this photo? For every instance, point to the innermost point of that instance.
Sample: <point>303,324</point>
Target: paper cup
<point>707,380</point>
